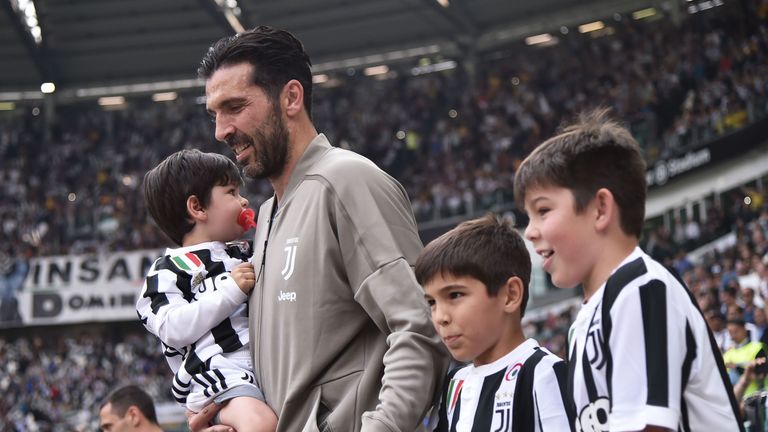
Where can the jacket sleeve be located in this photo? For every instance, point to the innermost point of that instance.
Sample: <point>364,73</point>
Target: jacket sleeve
<point>380,243</point>
<point>174,316</point>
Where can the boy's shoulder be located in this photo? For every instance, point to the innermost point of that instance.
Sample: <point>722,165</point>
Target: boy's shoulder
<point>640,272</point>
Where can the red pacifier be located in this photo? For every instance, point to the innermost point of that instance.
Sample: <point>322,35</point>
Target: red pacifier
<point>246,219</point>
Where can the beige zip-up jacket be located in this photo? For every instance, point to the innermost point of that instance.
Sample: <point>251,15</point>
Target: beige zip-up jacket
<point>341,335</point>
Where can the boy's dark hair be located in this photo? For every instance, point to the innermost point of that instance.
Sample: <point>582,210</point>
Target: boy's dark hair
<point>180,176</point>
<point>276,56</point>
<point>128,396</point>
<point>488,249</point>
<point>594,153</point>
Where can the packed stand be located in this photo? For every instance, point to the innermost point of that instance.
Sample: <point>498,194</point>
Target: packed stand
<point>452,140</point>
<point>459,148</point>
<point>731,288</point>
<point>56,383</point>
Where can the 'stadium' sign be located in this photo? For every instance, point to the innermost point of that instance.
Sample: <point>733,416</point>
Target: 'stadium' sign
<point>713,152</point>
<point>666,169</point>
<point>67,289</point>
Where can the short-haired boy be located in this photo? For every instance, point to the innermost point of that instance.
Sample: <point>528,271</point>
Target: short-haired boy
<point>475,279</point>
<point>194,297</point>
<point>641,356</point>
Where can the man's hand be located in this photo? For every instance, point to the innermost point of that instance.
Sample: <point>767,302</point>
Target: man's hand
<point>201,421</point>
<point>244,276</point>
<point>747,377</point>
<point>749,370</point>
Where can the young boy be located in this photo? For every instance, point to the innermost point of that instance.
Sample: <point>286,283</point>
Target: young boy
<point>194,297</point>
<point>641,356</point>
<point>475,279</point>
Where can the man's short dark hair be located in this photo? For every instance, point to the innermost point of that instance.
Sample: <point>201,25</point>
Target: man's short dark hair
<point>180,176</point>
<point>488,249</point>
<point>276,56</point>
<point>128,396</point>
<point>714,313</point>
<point>594,153</point>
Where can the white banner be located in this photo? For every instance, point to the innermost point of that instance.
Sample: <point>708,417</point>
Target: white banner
<point>70,289</point>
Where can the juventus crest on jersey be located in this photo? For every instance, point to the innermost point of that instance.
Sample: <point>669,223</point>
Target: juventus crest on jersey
<point>641,354</point>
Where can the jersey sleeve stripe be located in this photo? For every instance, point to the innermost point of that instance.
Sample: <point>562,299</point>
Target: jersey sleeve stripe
<point>226,337</point>
<point>653,304</point>
<point>183,279</point>
<point>152,292</point>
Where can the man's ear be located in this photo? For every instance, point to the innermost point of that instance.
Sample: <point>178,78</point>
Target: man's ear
<point>195,209</point>
<point>512,291</point>
<point>606,209</point>
<point>134,416</point>
<point>292,98</point>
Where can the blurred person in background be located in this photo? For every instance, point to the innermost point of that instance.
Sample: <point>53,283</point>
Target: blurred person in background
<point>128,409</point>
<point>716,322</point>
<point>748,304</point>
<point>736,313</point>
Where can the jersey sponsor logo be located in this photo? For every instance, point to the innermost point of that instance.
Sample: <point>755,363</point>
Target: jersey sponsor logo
<point>188,262</point>
<point>287,296</point>
<point>453,394</point>
<point>594,417</point>
<point>290,257</point>
<point>512,372</point>
<point>594,345</point>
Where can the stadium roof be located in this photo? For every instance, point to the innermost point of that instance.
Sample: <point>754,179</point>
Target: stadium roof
<point>86,43</point>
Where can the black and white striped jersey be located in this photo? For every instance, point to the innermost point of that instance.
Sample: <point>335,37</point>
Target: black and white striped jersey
<point>524,391</point>
<point>641,353</point>
<point>190,301</point>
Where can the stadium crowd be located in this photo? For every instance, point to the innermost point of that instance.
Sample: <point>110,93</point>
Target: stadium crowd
<point>453,141</point>
<point>75,188</point>
<point>56,382</point>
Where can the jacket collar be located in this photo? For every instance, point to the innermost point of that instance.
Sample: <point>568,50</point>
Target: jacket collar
<point>316,149</point>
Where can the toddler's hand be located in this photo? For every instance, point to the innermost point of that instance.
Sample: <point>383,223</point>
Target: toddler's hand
<point>244,276</point>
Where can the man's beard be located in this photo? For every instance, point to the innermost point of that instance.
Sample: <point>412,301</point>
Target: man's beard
<point>270,146</point>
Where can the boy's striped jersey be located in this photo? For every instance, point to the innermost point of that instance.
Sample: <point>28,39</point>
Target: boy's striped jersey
<point>641,353</point>
<point>522,391</point>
